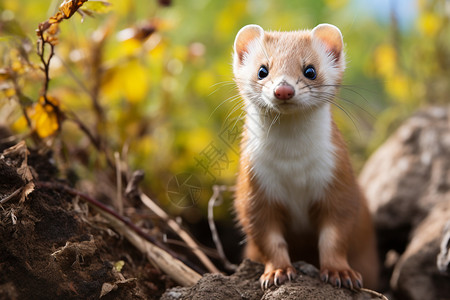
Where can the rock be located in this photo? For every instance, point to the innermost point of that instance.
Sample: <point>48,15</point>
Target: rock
<point>416,275</point>
<point>407,184</point>
<point>443,259</point>
<point>244,284</point>
<point>241,285</point>
<point>409,174</point>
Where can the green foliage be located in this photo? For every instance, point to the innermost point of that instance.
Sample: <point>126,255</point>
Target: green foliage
<point>147,80</point>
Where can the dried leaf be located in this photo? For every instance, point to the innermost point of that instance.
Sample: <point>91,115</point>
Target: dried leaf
<point>19,154</point>
<point>26,190</point>
<point>25,172</point>
<point>165,2</point>
<point>43,27</point>
<point>107,287</point>
<point>53,29</point>
<point>5,74</point>
<point>55,19</point>
<point>13,217</point>
<point>69,7</point>
<point>20,149</point>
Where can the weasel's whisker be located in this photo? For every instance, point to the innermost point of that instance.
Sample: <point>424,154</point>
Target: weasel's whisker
<point>220,85</point>
<point>230,99</point>
<point>237,120</point>
<point>235,108</point>
<point>348,114</point>
<point>274,120</point>
<point>339,97</point>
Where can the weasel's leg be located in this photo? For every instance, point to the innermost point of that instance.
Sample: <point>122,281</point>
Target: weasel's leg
<point>334,267</point>
<point>274,253</point>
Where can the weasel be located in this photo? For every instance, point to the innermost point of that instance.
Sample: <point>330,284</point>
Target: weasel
<point>297,196</point>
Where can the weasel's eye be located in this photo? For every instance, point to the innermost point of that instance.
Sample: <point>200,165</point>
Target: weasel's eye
<point>263,72</point>
<point>310,72</point>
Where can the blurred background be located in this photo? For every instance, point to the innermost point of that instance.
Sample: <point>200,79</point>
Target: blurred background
<point>152,80</point>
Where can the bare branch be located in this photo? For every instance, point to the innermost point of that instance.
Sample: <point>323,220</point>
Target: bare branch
<point>177,270</point>
<point>10,196</point>
<point>216,199</point>
<point>155,251</point>
<point>181,233</point>
<point>118,201</point>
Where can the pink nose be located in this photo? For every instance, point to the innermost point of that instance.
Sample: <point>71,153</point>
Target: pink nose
<point>284,91</point>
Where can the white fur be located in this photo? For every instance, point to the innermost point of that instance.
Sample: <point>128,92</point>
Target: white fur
<point>289,144</point>
<point>332,69</point>
<point>294,161</point>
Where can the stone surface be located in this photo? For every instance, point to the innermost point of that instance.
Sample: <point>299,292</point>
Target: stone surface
<point>407,184</point>
<point>416,275</point>
<point>407,176</point>
<point>244,284</point>
<point>410,172</point>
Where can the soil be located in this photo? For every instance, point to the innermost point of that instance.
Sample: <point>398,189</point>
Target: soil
<point>244,284</point>
<point>54,247</point>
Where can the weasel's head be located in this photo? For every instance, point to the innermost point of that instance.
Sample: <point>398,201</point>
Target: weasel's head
<point>288,72</point>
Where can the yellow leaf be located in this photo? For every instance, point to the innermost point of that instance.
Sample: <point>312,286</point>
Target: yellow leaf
<point>399,87</point>
<point>135,81</point>
<point>144,146</point>
<point>130,81</point>
<point>111,86</point>
<point>157,53</point>
<point>44,118</point>
<point>385,60</point>
<point>227,18</point>
<point>198,140</point>
<point>130,47</point>
<point>336,4</point>
<point>429,24</point>
<point>8,91</point>
<point>119,265</point>
<point>204,82</point>
<point>20,125</point>
<point>100,7</point>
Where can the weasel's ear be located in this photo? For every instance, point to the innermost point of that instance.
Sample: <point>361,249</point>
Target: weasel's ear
<point>331,36</point>
<point>243,38</point>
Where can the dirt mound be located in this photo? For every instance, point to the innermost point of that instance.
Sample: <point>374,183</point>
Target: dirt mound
<point>53,247</point>
<point>244,284</point>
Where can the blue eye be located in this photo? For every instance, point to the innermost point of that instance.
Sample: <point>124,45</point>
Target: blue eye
<point>310,72</point>
<point>263,72</point>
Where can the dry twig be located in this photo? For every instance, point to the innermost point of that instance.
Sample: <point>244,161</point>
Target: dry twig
<point>10,196</point>
<point>118,200</point>
<point>376,294</point>
<point>132,190</point>
<point>216,199</point>
<point>165,259</point>
<point>177,270</point>
<point>178,230</point>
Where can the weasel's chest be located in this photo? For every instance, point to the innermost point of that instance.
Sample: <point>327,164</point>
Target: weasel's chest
<point>294,173</point>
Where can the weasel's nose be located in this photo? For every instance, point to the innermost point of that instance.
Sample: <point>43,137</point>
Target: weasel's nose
<point>284,91</point>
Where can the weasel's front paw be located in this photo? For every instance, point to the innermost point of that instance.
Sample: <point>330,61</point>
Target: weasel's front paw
<point>276,276</point>
<point>347,278</point>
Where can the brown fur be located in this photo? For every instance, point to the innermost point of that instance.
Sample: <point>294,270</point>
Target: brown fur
<point>341,239</point>
<point>344,208</point>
